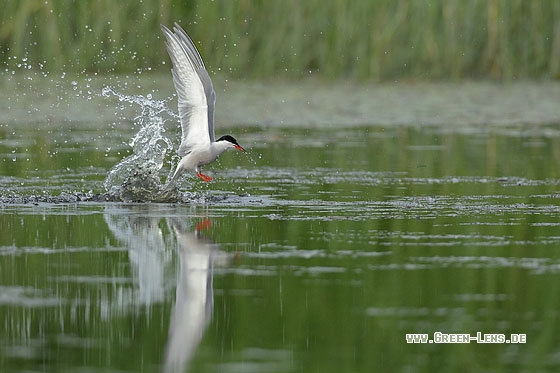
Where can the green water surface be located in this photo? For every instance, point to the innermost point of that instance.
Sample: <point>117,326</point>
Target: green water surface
<point>317,252</point>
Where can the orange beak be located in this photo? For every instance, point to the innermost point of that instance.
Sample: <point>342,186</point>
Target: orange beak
<point>238,147</point>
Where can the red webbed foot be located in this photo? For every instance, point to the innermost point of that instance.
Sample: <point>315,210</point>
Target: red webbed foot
<point>204,177</point>
<point>205,224</point>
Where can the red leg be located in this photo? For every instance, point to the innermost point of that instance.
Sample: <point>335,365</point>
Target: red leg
<point>203,177</point>
<point>203,225</point>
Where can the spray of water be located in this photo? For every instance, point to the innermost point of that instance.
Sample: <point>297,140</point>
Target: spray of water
<point>137,177</point>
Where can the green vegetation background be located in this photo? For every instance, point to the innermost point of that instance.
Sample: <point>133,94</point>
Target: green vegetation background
<point>362,39</point>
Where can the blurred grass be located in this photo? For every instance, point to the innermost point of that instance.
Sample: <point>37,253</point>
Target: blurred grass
<point>362,39</point>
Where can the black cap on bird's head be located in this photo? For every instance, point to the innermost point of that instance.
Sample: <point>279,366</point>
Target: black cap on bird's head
<point>232,140</point>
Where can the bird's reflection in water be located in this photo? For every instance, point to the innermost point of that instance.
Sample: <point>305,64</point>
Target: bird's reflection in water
<point>194,296</point>
<point>152,241</point>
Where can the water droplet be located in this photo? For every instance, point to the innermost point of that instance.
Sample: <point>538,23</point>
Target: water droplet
<point>106,92</point>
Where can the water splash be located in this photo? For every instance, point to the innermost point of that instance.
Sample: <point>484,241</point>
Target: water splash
<point>137,177</point>
<point>250,156</point>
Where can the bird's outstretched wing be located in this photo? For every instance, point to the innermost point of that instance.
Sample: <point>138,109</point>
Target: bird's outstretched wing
<point>195,93</point>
